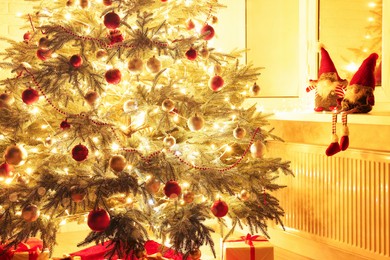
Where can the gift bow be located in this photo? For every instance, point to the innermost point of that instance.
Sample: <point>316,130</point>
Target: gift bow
<point>155,256</point>
<point>248,239</point>
<point>33,252</point>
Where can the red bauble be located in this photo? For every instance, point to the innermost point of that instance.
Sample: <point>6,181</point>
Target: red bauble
<point>208,32</point>
<point>76,61</point>
<point>191,54</point>
<point>80,152</point>
<point>112,20</point>
<point>27,36</point>
<point>30,96</point>
<point>6,170</point>
<point>113,76</point>
<point>172,189</point>
<point>164,1</point>
<point>98,220</point>
<point>107,2</point>
<point>43,54</point>
<point>216,83</point>
<point>219,208</point>
<point>64,125</point>
<point>115,36</point>
<point>190,24</point>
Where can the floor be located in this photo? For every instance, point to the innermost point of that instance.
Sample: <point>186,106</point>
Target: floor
<point>67,244</point>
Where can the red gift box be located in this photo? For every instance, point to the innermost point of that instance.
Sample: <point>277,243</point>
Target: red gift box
<point>97,252</point>
<point>30,250</point>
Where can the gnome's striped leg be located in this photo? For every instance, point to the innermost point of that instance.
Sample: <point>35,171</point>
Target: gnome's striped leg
<point>344,140</point>
<point>334,146</point>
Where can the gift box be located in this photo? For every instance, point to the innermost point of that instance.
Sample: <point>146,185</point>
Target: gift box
<point>153,249</point>
<point>29,250</point>
<point>247,248</point>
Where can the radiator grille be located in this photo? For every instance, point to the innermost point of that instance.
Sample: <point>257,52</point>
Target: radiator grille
<point>342,199</point>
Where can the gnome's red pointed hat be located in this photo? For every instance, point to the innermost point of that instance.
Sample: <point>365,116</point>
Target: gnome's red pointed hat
<point>365,76</point>
<point>326,64</point>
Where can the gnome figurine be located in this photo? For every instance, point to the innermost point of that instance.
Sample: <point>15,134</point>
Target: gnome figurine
<point>329,86</point>
<point>358,98</point>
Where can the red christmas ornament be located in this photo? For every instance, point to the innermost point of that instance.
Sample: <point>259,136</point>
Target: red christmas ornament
<point>115,36</point>
<point>216,83</point>
<point>30,96</point>
<point>112,20</point>
<point>98,220</point>
<point>172,189</point>
<point>76,61</point>
<point>27,36</point>
<point>80,152</point>
<point>107,2</point>
<point>191,54</point>
<point>113,76</point>
<point>219,208</point>
<point>190,24</point>
<point>43,54</point>
<point>6,170</point>
<point>208,32</point>
<point>164,1</point>
<point>65,125</point>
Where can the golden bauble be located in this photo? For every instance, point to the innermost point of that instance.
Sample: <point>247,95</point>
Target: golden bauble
<point>195,123</point>
<point>100,54</point>
<point>214,19</point>
<point>168,105</point>
<point>130,106</point>
<point>136,65</point>
<point>153,64</point>
<point>188,197</point>
<point>6,99</point>
<point>152,185</point>
<point>245,195</point>
<point>91,97</point>
<point>14,154</point>
<point>84,3</point>
<point>30,213</point>
<point>169,141</point>
<point>204,52</point>
<point>258,149</point>
<point>239,132</point>
<point>195,254</point>
<point>217,69</point>
<point>255,90</point>
<point>77,194</point>
<point>41,191</point>
<point>69,2</point>
<point>118,163</point>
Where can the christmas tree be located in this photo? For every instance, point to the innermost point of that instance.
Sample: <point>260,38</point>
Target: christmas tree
<point>121,114</point>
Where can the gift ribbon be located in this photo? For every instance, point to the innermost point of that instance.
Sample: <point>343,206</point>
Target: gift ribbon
<point>248,239</point>
<point>33,252</point>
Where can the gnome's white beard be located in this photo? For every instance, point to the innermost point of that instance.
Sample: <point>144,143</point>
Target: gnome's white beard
<point>325,87</point>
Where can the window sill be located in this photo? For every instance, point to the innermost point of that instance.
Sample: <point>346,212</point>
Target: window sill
<point>295,110</point>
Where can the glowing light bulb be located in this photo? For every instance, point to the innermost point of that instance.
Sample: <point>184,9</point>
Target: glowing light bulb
<point>8,181</point>
<point>19,14</point>
<point>371,4</point>
<point>68,16</point>
<point>34,111</point>
<point>63,222</point>
<point>115,147</point>
<point>97,153</point>
<point>228,149</point>
<point>370,19</point>
<point>44,126</point>
<point>95,140</point>
<point>29,171</point>
<point>129,200</point>
<point>216,126</point>
<point>185,185</point>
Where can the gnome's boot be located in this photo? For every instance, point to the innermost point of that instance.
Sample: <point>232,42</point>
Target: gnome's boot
<point>334,146</point>
<point>344,141</point>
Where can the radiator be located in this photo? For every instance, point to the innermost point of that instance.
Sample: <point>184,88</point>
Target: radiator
<point>341,201</point>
